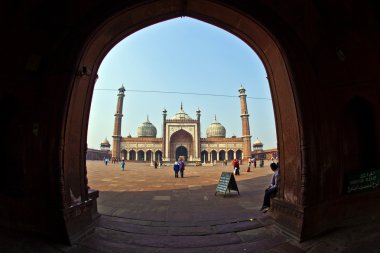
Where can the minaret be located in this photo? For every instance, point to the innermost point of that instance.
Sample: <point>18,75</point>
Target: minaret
<point>117,126</point>
<point>245,124</point>
<point>199,134</point>
<point>164,114</point>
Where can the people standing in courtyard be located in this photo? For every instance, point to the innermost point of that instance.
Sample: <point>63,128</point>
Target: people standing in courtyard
<point>176,169</point>
<point>122,165</point>
<point>181,167</point>
<point>254,162</point>
<point>155,164</point>
<point>272,188</point>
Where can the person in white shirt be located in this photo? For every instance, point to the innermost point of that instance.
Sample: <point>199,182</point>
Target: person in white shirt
<point>272,188</point>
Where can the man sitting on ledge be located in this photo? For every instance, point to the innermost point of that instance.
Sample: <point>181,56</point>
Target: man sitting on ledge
<point>272,188</point>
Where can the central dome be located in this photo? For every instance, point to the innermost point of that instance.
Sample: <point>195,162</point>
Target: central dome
<point>146,129</point>
<point>181,114</point>
<point>216,130</point>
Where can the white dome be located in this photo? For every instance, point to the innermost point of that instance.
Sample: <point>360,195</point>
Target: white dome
<point>146,129</point>
<point>258,143</point>
<point>216,130</point>
<point>181,114</point>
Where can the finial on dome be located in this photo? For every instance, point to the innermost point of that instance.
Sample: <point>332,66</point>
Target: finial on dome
<point>215,117</point>
<point>181,106</point>
<point>147,118</point>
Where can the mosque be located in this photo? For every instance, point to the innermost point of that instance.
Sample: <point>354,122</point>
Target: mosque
<point>181,138</point>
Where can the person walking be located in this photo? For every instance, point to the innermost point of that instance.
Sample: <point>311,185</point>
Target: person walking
<point>272,188</point>
<point>122,165</point>
<point>181,167</point>
<point>176,169</point>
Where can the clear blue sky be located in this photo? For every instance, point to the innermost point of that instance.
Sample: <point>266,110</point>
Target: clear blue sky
<point>181,55</point>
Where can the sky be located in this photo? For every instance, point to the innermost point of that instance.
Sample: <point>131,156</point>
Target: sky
<point>174,62</point>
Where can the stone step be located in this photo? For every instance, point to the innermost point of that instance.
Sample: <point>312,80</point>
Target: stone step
<point>172,229</point>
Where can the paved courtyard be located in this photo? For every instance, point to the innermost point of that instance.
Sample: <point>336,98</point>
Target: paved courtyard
<point>143,192</point>
<point>149,210</point>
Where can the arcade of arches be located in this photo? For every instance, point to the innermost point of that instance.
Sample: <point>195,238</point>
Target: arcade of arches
<point>322,61</point>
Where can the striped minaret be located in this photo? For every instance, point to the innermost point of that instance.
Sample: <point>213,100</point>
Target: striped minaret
<point>117,126</point>
<point>246,135</point>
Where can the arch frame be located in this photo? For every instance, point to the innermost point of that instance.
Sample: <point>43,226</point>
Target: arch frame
<point>289,206</point>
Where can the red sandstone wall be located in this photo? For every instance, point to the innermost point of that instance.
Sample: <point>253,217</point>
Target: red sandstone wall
<point>333,53</point>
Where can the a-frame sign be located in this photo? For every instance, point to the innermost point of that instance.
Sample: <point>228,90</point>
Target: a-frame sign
<point>226,182</point>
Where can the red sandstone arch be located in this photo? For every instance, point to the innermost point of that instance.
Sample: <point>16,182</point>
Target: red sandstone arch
<point>178,138</point>
<point>130,20</point>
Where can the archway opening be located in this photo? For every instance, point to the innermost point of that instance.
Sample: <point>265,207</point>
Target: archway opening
<point>230,155</point>
<point>181,153</point>
<point>222,155</point>
<point>182,142</point>
<point>132,155</point>
<point>204,155</point>
<point>149,155</point>
<point>158,156</point>
<point>247,29</point>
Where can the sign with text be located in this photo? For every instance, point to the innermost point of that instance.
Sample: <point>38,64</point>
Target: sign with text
<point>226,182</point>
<point>363,181</point>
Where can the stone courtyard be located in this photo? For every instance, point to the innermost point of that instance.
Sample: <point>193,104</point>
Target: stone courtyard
<point>143,209</point>
<point>149,210</point>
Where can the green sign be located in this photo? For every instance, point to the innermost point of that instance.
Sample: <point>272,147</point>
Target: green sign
<point>364,181</point>
<point>226,182</point>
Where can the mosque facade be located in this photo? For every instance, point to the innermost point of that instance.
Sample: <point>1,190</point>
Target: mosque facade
<point>181,138</point>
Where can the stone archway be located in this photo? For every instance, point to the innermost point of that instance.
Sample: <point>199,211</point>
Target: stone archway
<point>124,155</point>
<point>222,155</point>
<point>181,152</point>
<point>158,155</point>
<point>181,138</point>
<point>127,21</point>
<point>238,154</point>
<point>132,155</point>
<point>140,155</point>
<point>149,155</point>
<point>213,155</point>
<point>204,156</point>
<point>230,155</point>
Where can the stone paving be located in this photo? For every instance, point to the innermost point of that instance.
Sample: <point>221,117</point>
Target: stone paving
<point>149,210</point>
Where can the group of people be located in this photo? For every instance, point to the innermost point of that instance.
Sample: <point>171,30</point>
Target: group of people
<point>270,191</point>
<point>179,166</point>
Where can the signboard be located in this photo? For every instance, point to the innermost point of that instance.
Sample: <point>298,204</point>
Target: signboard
<point>226,182</point>
<point>364,181</point>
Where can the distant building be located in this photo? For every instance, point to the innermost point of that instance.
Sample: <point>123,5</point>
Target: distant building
<point>181,137</point>
<point>99,154</point>
<point>260,154</point>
